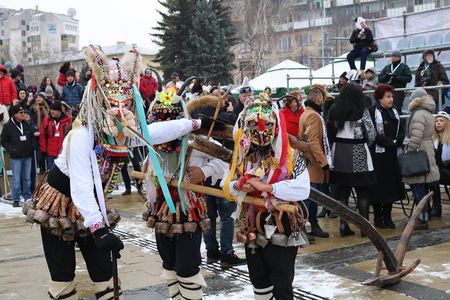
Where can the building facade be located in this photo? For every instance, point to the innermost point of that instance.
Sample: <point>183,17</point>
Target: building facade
<point>308,30</point>
<point>31,36</point>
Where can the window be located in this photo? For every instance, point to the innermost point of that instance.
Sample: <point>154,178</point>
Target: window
<point>34,28</point>
<point>299,40</point>
<point>327,37</point>
<point>35,38</point>
<point>371,8</point>
<point>307,40</point>
<point>1,43</point>
<point>397,4</point>
<point>284,44</point>
<point>2,33</point>
<point>22,22</point>
<point>24,33</point>
<point>29,49</point>
<point>245,47</point>
<point>265,64</point>
<point>70,27</point>
<point>24,44</point>
<point>420,2</point>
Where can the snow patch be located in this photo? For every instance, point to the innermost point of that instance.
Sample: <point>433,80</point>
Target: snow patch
<point>7,211</point>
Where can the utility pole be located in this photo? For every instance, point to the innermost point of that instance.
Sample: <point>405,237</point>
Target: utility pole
<point>323,33</point>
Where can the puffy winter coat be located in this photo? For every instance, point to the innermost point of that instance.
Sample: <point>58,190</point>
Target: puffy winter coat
<point>50,137</point>
<point>8,91</point>
<point>72,93</point>
<point>420,132</point>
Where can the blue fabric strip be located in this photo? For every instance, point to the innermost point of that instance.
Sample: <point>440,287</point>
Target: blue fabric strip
<point>154,159</point>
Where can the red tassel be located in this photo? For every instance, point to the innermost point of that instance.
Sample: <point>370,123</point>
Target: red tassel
<point>261,125</point>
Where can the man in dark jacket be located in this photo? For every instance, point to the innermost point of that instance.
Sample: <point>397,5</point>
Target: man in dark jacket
<point>398,75</point>
<point>16,139</point>
<point>361,39</point>
<point>72,91</point>
<point>429,73</point>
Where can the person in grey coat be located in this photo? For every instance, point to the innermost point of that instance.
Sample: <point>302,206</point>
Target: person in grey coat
<point>420,131</point>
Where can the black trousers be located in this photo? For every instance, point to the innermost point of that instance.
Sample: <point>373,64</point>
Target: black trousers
<point>273,266</point>
<point>60,257</point>
<point>181,253</point>
<point>135,161</point>
<point>398,100</point>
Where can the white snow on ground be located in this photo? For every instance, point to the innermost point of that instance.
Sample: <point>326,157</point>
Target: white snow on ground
<point>428,272</point>
<point>246,292</point>
<point>7,211</point>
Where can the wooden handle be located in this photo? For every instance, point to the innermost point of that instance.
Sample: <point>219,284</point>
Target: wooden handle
<point>217,193</point>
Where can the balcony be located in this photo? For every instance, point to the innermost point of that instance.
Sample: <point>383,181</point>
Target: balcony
<point>283,27</point>
<point>321,22</point>
<point>423,7</point>
<point>344,2</point>
<point>395,12</point>
<point>300,24</point>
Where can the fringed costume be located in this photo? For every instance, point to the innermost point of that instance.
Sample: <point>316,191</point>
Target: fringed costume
<point>264,166</point>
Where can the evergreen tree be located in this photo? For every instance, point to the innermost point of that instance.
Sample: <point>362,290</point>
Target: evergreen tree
<point>223,16</point>
<point>208,50</point>
<point>171,36</point>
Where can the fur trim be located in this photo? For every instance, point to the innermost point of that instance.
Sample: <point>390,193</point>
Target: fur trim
<point>132,64</point>
<point>320,87</point>
<point>425,102</point>
<point>196,104</point>
<point>98,62</point>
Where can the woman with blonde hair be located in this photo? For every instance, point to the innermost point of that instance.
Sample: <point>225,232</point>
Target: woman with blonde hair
<point>441,140</point>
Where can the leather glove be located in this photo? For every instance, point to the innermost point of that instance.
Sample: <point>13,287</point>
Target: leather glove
<point>107,241</point>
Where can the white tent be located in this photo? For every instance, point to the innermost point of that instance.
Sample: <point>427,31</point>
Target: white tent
<point>340,66</point>
<point>276,76</point>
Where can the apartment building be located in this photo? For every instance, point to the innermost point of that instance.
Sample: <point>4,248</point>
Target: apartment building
<point>312,28</point>
<point>32,36</point>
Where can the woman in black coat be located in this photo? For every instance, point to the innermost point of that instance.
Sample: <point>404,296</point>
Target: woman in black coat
<point>390,133</point>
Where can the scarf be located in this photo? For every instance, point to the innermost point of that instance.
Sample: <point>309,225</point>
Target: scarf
<point>445,155</point>
<point>380,126</point>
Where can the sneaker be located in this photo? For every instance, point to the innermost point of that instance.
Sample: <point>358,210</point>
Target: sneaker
<point>212,256</point>
<point>126,193</point>
<point>311,237</point>
<point>230,260</point>
<point>16,204</point>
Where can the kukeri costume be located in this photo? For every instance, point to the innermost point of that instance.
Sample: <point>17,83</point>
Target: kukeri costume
<point>69,203</point>
<point>262,154</point>
<point>179,234</point>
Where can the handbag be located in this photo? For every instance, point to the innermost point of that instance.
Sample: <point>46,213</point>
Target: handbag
<point>414,163</point>
<point>373,47</point>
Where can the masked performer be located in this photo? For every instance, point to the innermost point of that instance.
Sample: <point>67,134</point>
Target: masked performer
<point>69,203</point>
<point>263,166</point>
<point>179,234</point>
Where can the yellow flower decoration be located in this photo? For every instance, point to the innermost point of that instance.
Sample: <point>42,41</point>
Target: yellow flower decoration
<point>167,96</point>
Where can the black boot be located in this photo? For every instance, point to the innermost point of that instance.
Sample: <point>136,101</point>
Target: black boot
<point>317,231</point>
<point>436,210</point>
<point>387,218</point>
<point>229,260</point>
<point>377,216</point>
<point>363,208</point>
<point>344,229</point>
<point>212,256</point>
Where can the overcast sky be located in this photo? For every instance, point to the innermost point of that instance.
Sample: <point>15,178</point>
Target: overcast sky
<point>104,22</point>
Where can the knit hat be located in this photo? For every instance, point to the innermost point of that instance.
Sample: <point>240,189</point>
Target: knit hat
<point>15,109</point>
<point>43,95</point>
<point>358,21</point>
<point>443,114</point>
<point>418,93</point>
<point>32,88</point>
<point>14,73</point>
<point>8,65</point>
<point>56,106</point>
<point>396,53</point>
<point>3,69</point>
<point>20,68</point>
<point>48,89</point>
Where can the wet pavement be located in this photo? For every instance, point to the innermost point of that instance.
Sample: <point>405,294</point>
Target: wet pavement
<point>330,268</point>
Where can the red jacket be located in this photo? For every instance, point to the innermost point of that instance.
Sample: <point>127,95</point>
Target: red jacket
<point>292,120</point>
<point>7,91</point>
<point>50,139</point>
<point>148,87</point>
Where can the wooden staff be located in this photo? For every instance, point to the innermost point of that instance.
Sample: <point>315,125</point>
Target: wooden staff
<point>218,193</point>
<point>115,274</point>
